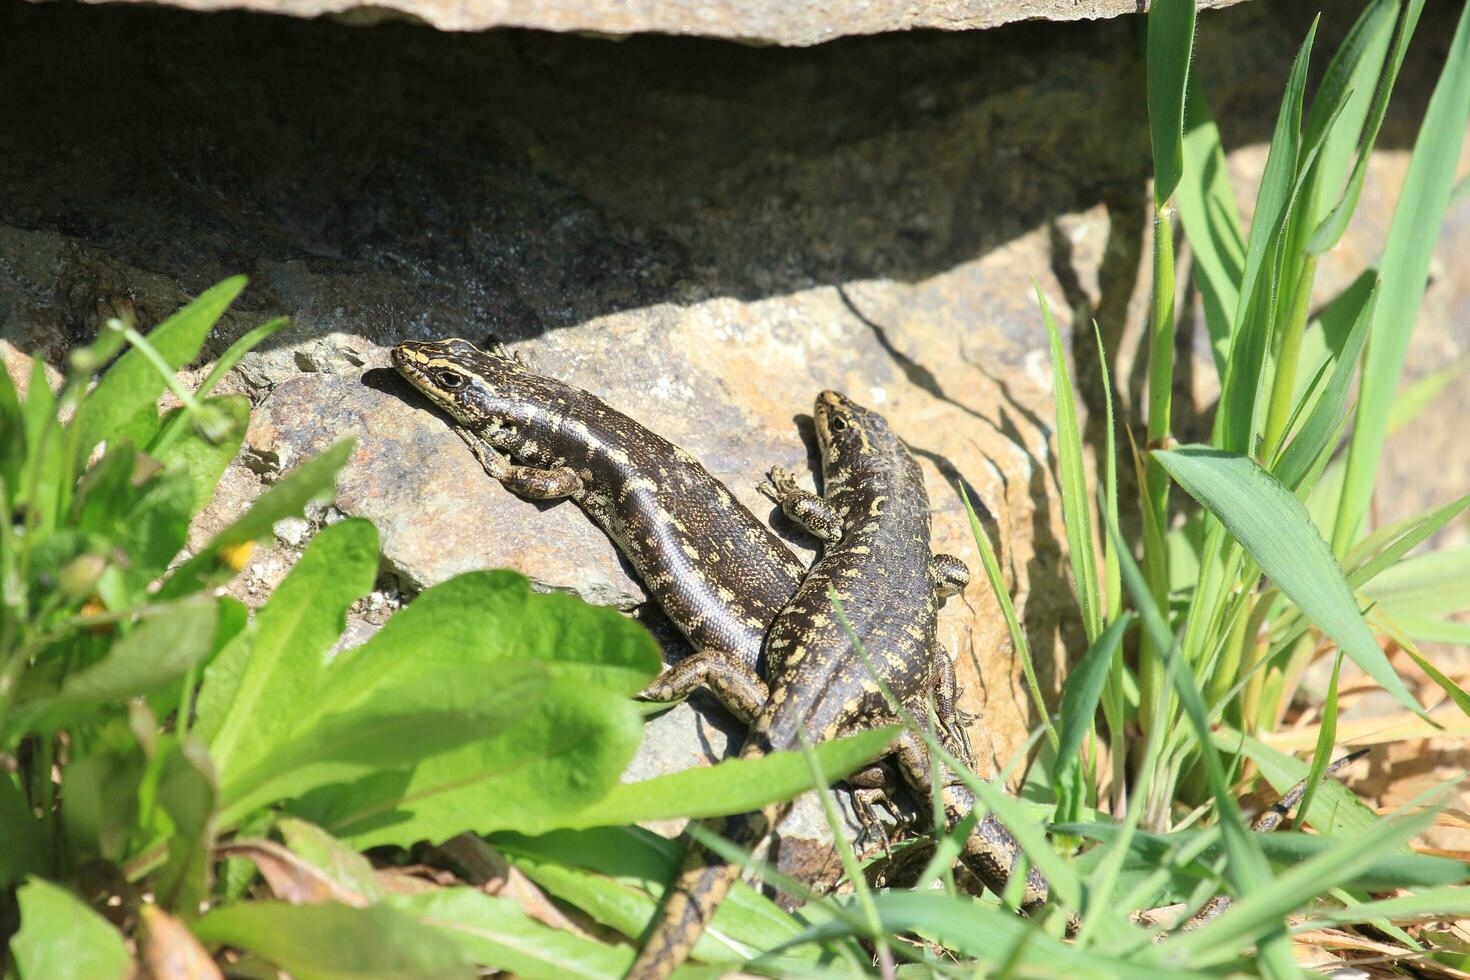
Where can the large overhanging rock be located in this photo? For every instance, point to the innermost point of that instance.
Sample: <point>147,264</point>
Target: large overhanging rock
<point>789,22</point>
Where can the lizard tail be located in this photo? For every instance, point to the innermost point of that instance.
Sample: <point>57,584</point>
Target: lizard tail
<point>1264,824</point>
<point>690,901</point>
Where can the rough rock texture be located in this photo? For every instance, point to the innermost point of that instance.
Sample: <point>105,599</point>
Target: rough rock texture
<point>704,234</point>
<point>793,22</point>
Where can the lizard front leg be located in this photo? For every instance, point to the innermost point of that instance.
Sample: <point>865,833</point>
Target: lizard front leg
<point>950,575</point>
<point>729,679</point>
<point>819,518</point>
<point>530,482</point>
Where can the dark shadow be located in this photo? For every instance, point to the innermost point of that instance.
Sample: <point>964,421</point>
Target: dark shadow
<point>393,180</point>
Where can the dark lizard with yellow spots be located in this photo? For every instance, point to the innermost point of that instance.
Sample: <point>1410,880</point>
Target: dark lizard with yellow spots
<point>827,679</point>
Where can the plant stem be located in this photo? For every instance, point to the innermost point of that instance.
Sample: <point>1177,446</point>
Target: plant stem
<point>1287,360</point>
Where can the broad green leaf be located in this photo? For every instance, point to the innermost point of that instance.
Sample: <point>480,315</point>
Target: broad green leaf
<point>1274,527</point>
<point>102,790</point>
<point>156,651</point>
<point>203,460</point>
<point>1080,694</point>
<point>337,942</point>
<point>733,786</point>
<point>494,932</point>
<point>1367,43</point>
<point>187,793</point>
<point>25,848</point>
<point>1211,220</point>
<point>133,384</point>
<point>259,689</point>
<point>61,938</point>
<point>1170,43</point>
<point>314,479</point>
<point>1404,269</point>
<point>1076,500</point>
<point>540,752</point>
<point>494,616</point>
<point>174,426</point>
<point>382,737</point>
<point>1316,435</point>
<point>344,866</point>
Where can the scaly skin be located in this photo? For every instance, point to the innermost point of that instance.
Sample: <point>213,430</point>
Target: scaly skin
<point>875,516</point>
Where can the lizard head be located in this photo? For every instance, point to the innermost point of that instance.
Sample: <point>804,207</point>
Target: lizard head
<point>843,427</point>
<point>476,387</point>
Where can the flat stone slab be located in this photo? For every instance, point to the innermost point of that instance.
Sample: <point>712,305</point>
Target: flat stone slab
<point>788,22</point>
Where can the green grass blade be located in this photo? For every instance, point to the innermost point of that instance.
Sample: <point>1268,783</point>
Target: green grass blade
<point>1276,179</point>
<point>1112,588</point>
<point>1170,43</point>
<point>1322,423</point>
<point>1211,220</point>
<point>1375,24</point>
<point>1445,902</point>
<point>1326,737</point>
<point>732,786</point>
<point>1076,500</point>
<point>1080,694</point>
<point>1274,527</point>
<point>1405,269</point>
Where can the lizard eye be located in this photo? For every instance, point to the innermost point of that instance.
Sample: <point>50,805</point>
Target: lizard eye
<point>448,380</point>
<point>838,423</point>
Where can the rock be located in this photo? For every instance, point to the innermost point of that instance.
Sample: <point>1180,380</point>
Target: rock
<point>748,21</point>
<point>702,233</point>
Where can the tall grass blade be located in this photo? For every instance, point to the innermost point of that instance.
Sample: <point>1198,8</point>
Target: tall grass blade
<point>1211,220</point>
<point>1371,34</point>
<point>1170,43</point>
<point>1274,527</point>
<point>1076,500</point>
<point>1316,434</point>
<point>1254,315</point>
<point>1405,267</point>
<point>1080,694</point>
<point>1326,736</point>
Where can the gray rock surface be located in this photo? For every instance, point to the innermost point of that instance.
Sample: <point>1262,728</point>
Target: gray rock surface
<point>704,234</point>
<point>791,22</point>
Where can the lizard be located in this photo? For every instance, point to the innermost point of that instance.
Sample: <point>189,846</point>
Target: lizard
<point>877,562</point>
